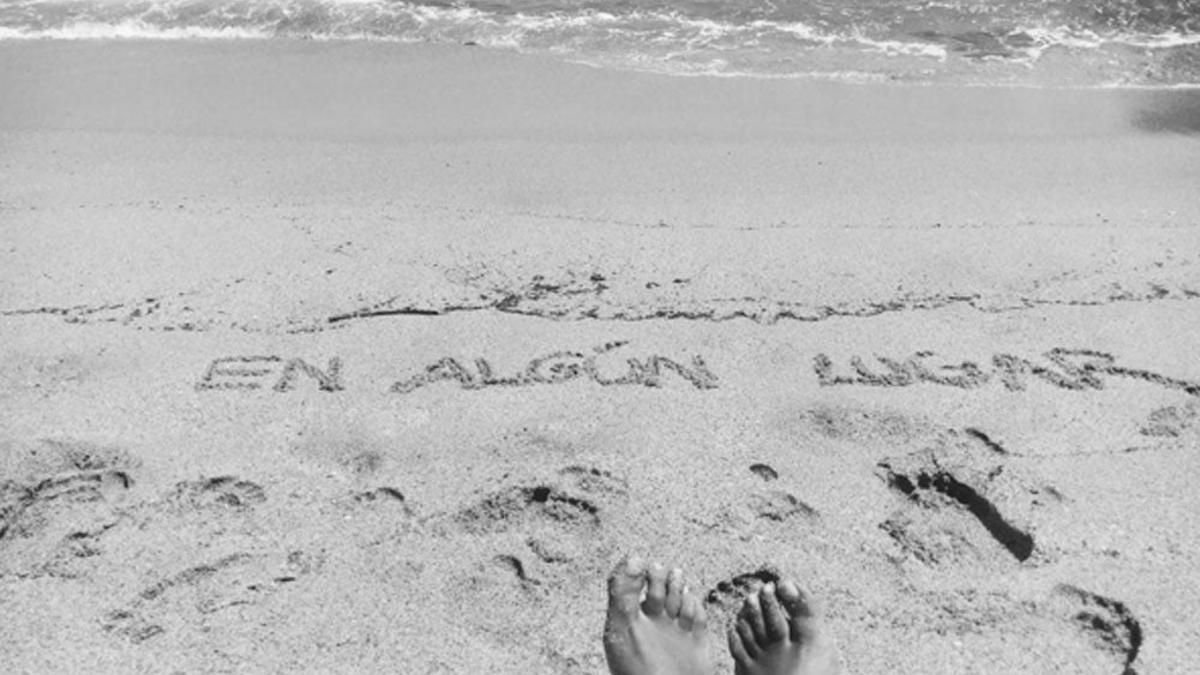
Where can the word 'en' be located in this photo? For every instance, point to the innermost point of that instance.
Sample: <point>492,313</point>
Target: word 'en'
<point>252,372</point>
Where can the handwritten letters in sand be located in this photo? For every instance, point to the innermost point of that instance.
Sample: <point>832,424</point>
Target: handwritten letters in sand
<point>1071,369</point>
<point>1068,369</point>
<point>257,372</point>
<point>253,372</point>
<point>564,366</point>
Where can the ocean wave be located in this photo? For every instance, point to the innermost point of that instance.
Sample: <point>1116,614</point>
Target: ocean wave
<point>132,29</point>
<point>644,36</point>
<point>376,19</point>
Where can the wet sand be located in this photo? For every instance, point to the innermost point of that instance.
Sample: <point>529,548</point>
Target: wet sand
<point>354,358</point>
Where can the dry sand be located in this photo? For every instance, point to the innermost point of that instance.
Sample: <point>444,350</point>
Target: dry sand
<point>348,358</point>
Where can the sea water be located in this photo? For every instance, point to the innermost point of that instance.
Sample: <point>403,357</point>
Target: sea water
<point>1072,43</point>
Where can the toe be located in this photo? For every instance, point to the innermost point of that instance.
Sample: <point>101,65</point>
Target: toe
<point>674,592</point>
<point>625,588</point>
<point>700,618</point>
<point>752,614</point>
<point>738,650</point>
<point>687,612</point>
<point>746,635</point>
<point>656,591</point>
<point>799,609</point>
<point>774,620</point>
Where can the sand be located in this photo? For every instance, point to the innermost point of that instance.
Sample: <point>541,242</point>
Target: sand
<point>326,357</point>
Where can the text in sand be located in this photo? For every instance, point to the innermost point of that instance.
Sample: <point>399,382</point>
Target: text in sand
<point>1069,369</point>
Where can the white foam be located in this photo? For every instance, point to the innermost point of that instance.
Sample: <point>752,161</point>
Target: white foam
<point>1064,37</point>
<point>1084,39</point>
<point>897,48</point>
<point>662,41</point>
<point>130,29</point>
<point>1161,41</point>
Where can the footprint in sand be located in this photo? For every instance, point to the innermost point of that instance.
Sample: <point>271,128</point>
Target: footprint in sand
<point>1173,421</point>
<point>961,498</point>
<point>201,597</point>
<point>371,517</point>
<point>57,500</point>
<point>210,595</point>
<point>944,488</point>
<point>217,492</point>
<point>569,501</point>
<point>1108,624</point>
<point>218,508</point>
<point>537,541</point>
<point>776,505</point>
<point>727,596</point>
<point>768,512</point>
<point>557,519</point>
<point>217,559</point>
<point>188,523</point>
<point>1050,627</point>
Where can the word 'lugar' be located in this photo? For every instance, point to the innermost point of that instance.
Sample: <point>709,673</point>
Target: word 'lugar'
<point>1074,369</point>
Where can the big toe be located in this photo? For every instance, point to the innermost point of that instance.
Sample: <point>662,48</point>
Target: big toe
<point>625,588</point>
<point>692,616</point>
<point>803,623</point>
<point>656,591</point>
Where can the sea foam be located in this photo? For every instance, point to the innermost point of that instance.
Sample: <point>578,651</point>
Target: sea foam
<point>862,40</point>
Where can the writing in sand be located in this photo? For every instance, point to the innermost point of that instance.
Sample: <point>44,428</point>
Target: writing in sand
<point>255,372</point>
<point>1069,369</point>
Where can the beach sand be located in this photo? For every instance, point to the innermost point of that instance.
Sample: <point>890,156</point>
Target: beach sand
<point>322,357</point>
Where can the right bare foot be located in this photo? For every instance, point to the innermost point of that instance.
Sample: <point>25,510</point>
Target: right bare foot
<point>778,632</point>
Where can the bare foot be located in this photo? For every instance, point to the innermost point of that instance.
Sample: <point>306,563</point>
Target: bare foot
<point>663,634</point>
<point>779,633</point>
